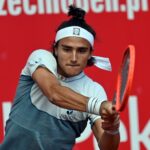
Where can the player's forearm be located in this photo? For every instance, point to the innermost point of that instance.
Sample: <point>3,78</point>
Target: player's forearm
<point>56,93</point>
<point>63,96</point>
<point>108,141</point>
<point>66,98</point>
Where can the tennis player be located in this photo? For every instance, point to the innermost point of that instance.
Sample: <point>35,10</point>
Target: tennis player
<point>55,98</point>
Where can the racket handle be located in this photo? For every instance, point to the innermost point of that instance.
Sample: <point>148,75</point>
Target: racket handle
<point>114,99</point>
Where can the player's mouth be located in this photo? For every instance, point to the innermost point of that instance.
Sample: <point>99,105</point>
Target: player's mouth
<point>73,65</point>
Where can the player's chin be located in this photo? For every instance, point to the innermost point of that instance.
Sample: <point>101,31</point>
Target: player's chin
<point>74,72</point>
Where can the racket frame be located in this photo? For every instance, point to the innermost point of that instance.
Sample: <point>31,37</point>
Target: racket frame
<point>121,103</point>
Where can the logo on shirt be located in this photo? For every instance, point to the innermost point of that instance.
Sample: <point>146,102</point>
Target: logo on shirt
<point>69,112</point>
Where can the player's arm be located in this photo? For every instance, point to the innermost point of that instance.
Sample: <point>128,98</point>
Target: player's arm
<point>106,130</point>
<point>42,66</point>
<point>57,94</point>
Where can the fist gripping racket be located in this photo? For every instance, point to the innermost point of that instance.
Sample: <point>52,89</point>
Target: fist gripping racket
<point>124,79</point>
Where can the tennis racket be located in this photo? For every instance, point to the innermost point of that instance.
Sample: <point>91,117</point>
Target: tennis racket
<point>124,79</point>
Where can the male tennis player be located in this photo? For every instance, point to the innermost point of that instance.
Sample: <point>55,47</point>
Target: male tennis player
<point>55,99</point>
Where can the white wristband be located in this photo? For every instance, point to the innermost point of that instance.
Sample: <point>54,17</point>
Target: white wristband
<point>112,132</point>
<point>93,105</point>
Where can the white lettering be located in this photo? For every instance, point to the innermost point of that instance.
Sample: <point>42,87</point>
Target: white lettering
<point>64,6</point>
<point>83,4</point>
<point>145,136</point>
<point>70,2</point>
<point>134,126</point>
<point>78,3</point>
<point>142,136</point>
<point>13,7</point>
<point>97,8</point>
<point>16,7</point>
<point>123,132</point>
<point>2,11</point>
<point>132,6</point>
<point>144,4</point>
<point>95,144</point>
<point>6,106</point>
<point>86,134</point>
<point>28,8</point>
<point>56,6</point>
<point>40,7</point>
<point>52,6</point>
<point>137,137</point>
<point>49,7</point>
<point>112,5</point>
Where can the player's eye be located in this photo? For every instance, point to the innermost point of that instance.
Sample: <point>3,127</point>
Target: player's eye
<point>66,49</point>
<point>82,50</point>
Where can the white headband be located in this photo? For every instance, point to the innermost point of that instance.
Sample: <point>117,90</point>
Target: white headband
<point>75,31</point>
<point>102,63</point>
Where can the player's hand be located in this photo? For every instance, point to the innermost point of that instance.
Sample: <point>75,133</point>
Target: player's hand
<point>110,117</point>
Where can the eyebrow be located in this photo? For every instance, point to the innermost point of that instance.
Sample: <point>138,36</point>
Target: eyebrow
<point>67,46</point>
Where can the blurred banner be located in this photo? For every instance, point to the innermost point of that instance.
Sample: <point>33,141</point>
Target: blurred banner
<point>26,25</point>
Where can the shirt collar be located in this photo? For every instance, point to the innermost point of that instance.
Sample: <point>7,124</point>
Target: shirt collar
<point>69,79</point>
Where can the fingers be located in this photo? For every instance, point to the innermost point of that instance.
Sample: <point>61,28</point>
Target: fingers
<point>112,120</point>
<point>111,124</point>
<point>107,109</point>
<point>110,117</point>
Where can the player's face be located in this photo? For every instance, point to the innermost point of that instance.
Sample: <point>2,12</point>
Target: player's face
<point>72,55</point>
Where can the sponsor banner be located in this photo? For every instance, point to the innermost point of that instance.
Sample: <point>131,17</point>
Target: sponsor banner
<point>48,7</point>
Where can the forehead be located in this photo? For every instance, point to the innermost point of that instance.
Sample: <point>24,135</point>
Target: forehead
<point>74,42</point>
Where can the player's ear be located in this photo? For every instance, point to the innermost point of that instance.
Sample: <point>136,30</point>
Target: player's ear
<point>90,56</point>
<point>55,52</point>
<point>55,49</point>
